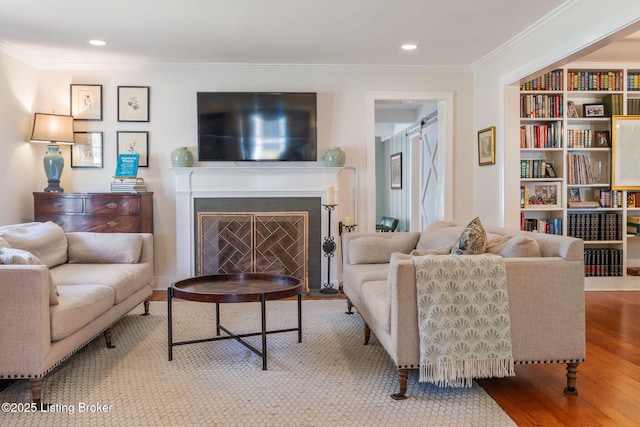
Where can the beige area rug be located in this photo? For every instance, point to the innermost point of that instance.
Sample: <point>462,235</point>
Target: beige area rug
<point>330,379</point>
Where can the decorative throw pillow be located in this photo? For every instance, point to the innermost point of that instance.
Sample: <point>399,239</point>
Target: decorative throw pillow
<point>472,241</point>
<point>516,246</point>
<point>13,256</point>
<point>90,248</point>
<point>378,250</point>
<point>46,241</point>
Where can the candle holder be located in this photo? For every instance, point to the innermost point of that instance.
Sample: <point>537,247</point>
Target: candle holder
<point>348,228</point>
<point>329,248</point>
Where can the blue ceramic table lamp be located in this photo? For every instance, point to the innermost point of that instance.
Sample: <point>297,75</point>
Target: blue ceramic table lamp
<point>53,129</point>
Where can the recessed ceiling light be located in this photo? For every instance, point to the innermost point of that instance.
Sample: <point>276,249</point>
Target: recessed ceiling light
<point>409,46</point>
<point>97,42</point>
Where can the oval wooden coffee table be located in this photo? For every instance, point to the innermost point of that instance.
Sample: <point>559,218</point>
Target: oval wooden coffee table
<point>235,288</point>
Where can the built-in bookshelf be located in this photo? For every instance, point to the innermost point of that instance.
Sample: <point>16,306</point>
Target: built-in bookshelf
<point>566,163</point>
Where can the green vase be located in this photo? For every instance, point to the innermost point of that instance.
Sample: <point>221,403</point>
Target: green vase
<point>181,158</point>
<point>53,165</point>
<point>335,157</point>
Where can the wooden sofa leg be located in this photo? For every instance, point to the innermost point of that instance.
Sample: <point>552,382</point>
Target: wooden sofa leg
<point>107,338</point>
<point>572,377</point>
<point>146,307</point>
<point>349,306</point>
<point>403,377</point>
<point>36,390</point>
<point>367,333</point>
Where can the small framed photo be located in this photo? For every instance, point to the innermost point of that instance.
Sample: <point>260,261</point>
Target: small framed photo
<point>593,110</point>
<point>572,111</point>
<point>551,172</point>
<point>135,142</point>
<point>86,151</point>
<point>544,195</point>
<point>601,138</point>
<point>133,103</point>
<point>86,102</point>
<point>574,194</point>
<point>396,171</point>
<point>487,146</point>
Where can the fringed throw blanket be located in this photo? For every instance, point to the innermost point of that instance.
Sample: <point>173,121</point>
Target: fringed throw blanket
<point>463,318</point>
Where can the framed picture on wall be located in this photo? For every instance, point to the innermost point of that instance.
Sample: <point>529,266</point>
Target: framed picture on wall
<point>395,169</point>
<point>487,146</point>
<point>86,151</point>
<point>625,153</point>
<point>133,103</point>
<point>135,142</point>
<point>86,102</point>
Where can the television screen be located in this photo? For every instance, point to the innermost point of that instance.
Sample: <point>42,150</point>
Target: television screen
<point>256,126</point>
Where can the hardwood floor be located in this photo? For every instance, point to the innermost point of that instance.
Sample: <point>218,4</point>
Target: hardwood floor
<point>608,382</point>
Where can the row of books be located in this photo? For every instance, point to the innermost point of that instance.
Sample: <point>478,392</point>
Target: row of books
<point>579,169</point>
<point>541,106</point>
<point>633,199</point>
<point>602,262</point>
<point>536,168</point>
<point>580,138</point>
<point>633,81</point>
<point>541,225</point>
<point>595,80</point>
<point>547,135</point>
<point>613,104</point>
<point>633,107</point>
<point>591,226</point>
<point>609,198</point>
<point>552,80</point>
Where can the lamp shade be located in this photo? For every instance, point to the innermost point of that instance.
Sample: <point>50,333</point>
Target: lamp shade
<point>52,128</point>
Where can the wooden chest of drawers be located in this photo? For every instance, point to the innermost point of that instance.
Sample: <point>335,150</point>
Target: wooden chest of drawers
<point>98,212</point>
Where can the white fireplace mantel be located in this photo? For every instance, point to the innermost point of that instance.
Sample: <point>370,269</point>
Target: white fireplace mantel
<point>242,181</point>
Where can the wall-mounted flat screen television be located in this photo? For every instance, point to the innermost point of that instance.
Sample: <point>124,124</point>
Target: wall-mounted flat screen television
<point>257,126</point>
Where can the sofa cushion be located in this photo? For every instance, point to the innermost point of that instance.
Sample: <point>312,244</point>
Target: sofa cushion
<point>516,246</point>
<point>78,306</point>
<point>124,279</point>
<point>378,250</point>
<point>45,240</point>
<point>472,241</point>
<point>15,256</point>
<point>439,234</point>
<point>86,247</point>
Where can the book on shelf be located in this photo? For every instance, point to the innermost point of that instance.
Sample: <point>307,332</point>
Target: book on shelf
<point>613,104</point>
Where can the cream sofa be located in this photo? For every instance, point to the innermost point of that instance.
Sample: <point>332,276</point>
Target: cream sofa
<point>545,283</point>
<point>58,291</point>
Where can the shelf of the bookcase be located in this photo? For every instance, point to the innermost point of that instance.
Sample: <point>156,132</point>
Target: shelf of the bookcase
<point>540,149</point>
<point>603,185</point>
<point>549,208</point>
<point>540,119</point>
<point>589,149</point>
<point>541,180</point>
<point>542,92</point>
<point>571,92</point>
<point>583,120</point>
<point>603,242</point>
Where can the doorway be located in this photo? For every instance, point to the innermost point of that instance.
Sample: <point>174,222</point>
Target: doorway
<point>422,201</point>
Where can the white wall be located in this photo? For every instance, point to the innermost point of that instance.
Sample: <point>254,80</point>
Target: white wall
<point>342,102</point>
<point>561,39</point>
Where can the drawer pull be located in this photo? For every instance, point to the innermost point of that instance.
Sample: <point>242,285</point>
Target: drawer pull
<point>58,205</point>
<point>112,205</point>
<point>112,224</point>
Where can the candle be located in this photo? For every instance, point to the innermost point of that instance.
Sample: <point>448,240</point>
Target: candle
<point>348,220</point>
<point>330,198</point>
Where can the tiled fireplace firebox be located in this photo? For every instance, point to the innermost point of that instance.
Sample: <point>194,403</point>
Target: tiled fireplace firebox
<point>253,189</point>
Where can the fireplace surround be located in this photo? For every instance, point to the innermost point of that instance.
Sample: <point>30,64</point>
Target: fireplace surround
<point>253,188</point>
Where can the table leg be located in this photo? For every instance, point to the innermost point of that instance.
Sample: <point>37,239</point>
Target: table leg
<point>169,324</point>
<point>217,318</point>
<point>299,318</point>
<point>264,332</point>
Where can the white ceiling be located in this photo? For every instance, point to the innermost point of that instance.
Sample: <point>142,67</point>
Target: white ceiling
<point>450,33</point>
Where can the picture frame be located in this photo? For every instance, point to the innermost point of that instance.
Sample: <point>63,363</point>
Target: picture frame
<point>574,195</point>
<point>133,103</point>
<point>625,153</point>
<point>593,110</point>
<point>87,150</point>
<point>487,146</point>
<point>134,142</point>
<point>550,171</point>
<point>395,169</point>
<point>86,102</point>
<point>572,111</point>
<point>544,195</point>
<point>601,138</point>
